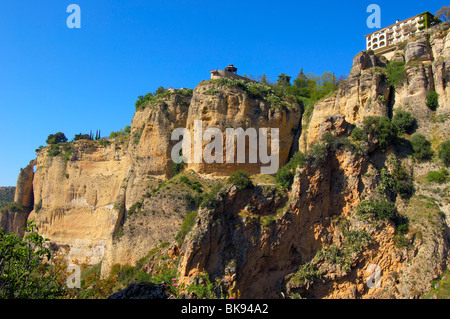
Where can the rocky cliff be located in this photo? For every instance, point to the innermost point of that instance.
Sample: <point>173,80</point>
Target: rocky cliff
<point>86,196</point>
<point>114,200</point>
<point>260,243</point>
<point>367,92</point>
<point>314,245</point>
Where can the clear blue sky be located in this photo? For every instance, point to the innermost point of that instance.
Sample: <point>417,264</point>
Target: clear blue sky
<point>53,78</point>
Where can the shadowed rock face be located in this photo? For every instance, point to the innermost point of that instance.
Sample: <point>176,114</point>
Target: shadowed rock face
<point>13,220</point>
<point>237,246</point>
<point>250,257</point>
<point>24,190</point>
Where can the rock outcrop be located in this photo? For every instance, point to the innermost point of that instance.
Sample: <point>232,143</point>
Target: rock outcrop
<point>24,190</point>
<point>236,245</point>
<point>75,197</point>
<point>367,92</point>
<point>227,108</point>
<point>84,197</point>
<point>364,93</point>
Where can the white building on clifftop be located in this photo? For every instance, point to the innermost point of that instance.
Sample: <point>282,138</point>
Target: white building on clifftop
<point>383,40</point>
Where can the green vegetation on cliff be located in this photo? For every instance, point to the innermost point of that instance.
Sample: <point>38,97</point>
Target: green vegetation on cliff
<point>159,96</point>
<point>444,152</point>
<point>305,90</point>
<point>24,269</point>
<point>6,195</point>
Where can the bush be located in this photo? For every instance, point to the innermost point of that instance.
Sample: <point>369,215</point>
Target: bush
<point>160,91</point>
<point>56,138</point>
<point>400,240</point>
<point>54,150</point>
<point>382,129</point>
<point>82,137</point>
<point>405,188</point>
<point>38,207</point>
<point>421,147</point>
<point>196,186</point>
<point>119,133</point>
<point>437,176</point>
<point>444,152</point>
<point>135,208</point>
<point>177,168</point>
<point>158,96</point>
<point>383,210</point>
<point>240,179</point>
<point>208,200</point>
<point>356,240</point>
<point>186,226</point>
<point>336,143</point>
<point>404,185</point>
<point>137,137</point>
<point>24,272</point>
<point>404,122</point>
<point>388,185</point>
<point>433,100</point>
<point>358,134</point>
<point>396,73</point>
<point>317,154</point>
<point>285,176</point>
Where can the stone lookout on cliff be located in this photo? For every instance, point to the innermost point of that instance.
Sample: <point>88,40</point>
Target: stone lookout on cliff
<point>229,72</point>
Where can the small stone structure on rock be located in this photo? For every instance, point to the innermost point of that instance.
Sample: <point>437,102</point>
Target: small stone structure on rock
<point>229,72</point>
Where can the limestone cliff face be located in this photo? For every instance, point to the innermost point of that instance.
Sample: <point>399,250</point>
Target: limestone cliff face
<point>362,94</point>
<point>229,107</point>
<point>74,198</point>
<point>366,92</point>
<point>84,198</point>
